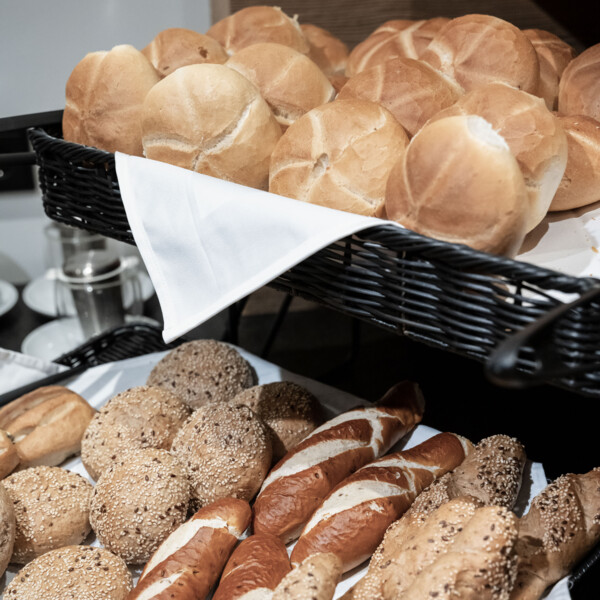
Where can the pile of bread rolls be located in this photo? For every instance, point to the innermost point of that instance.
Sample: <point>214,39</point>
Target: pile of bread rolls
<point>468,129</point>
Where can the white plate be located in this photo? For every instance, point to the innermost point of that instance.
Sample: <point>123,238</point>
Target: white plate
<point>39,294</point>
<point>8,296</point>
<point>52,339</point>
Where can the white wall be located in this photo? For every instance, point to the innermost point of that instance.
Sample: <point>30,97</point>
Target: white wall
<point>40,43</point>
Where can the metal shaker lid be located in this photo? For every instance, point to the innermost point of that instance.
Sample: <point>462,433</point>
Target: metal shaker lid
<point>91,266</point>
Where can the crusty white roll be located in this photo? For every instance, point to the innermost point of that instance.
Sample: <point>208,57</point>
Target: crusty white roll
<point>534,135</point>
<point>579,88</point>
<point>393,39</point>
<point>580,184</point>
<point>104,97</point>
<point>256,24</point>
<point>459,182</point>
<point>9,459</point>
<point>7,528</point>
<point>339,155</point>
<point>478,49</point>
<point>315,578</point>
<point>46,425</point>
<point>212,120</point>
<point>177,47</point>
<point>326,50</point>
<point>352,519</point>
<point>254,570</point>
<point>299,482</point>
<point>188,563</point>
<point>554,55</point>
<point>410,89</point>
<point>290,82</point>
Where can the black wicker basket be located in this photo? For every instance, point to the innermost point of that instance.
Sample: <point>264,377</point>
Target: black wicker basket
<point>486,307</point>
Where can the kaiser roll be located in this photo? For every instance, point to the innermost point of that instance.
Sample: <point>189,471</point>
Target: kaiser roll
<point>290,82</point>
<point>177,47</point>
<point>458,181</point>
<point>579,88</point>
<point>479,49</point>
<point>327,51</point>
<point>580,184</point>
<point>534,135</point>
<point>104,98</point>
<point>212,120</point>
<point>410,89</point>
<point>258,24</point>
<point>554,55</point>
<point>339,155</point>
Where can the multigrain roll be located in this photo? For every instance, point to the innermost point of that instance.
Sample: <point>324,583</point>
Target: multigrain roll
<point>327,51</point>
<point>554,55</point>
<point>478,49</point>
<point>210,119</point>
<point>459,182</point>
<point>258,24</point>
<point>289,81</point>
<point>7,529</point>
<point>52,508</point>
<point>339,155</point>
<point>580,184</point>
<point>177,47</point>
<point>225,450</point>
<point>141,417</point>
<point>73,573</point>
<point>410,89</point>
<point>579,88</point>
<point>138,501</point>
<point>203,371</point>
<point>104,97</point>
<point>534,135</point>
<point>289,411</point>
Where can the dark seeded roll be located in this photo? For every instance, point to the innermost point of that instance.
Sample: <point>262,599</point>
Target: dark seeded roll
<point>72,572</point>
<point>203,371</point>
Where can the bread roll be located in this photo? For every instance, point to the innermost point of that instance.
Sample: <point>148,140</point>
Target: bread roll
<point>478,49</point>
<point>459,182</point>
<point>72,573</point>
<point>579,88</point>
<point>7,528</point>
<point>410,89</point>
<point>315,578</point>
<point>534,135</point>
<point>104,98</point>
<point>258,24</point>
<point>580,184</point>
<point>177,47</point>
<point>9,459</point>
<point>339,155</point>
<point>554,55</point>
<point>289,81</point>
<point>210,119</point>
<point>327,51</point>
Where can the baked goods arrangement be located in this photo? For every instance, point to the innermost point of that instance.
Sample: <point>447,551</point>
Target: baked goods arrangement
<point>191,501</point>
<point>265,101</point>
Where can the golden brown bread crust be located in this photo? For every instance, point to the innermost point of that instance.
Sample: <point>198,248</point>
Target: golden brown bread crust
<point>478,49</point>
<point>104,97</point>
<point>327,51</point>
<point>410,89</point>
<point>177,47</point>
<point>352,519</point>
<point>9,459</point>
<point>338,155</point>
<point>554,55</point>
<point>297,484</point>
<point>257,24</point>
<point>212,120</point>
<point>259,562</point>
<point>579,88</point>
<point>580,184</point>
<point>7,528</point>
<point>290,82</point>
<point>459,182</point>
<point>534,135</point>
<point>562,525</point>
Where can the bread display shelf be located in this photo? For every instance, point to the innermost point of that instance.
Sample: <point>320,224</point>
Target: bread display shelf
<point>445,295</point>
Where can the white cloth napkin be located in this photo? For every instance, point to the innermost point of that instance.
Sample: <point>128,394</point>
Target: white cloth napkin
<point>20,369</point>
<point>207,242</point>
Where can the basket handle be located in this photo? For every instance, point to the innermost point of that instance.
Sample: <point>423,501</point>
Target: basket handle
<point>501,366</point>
